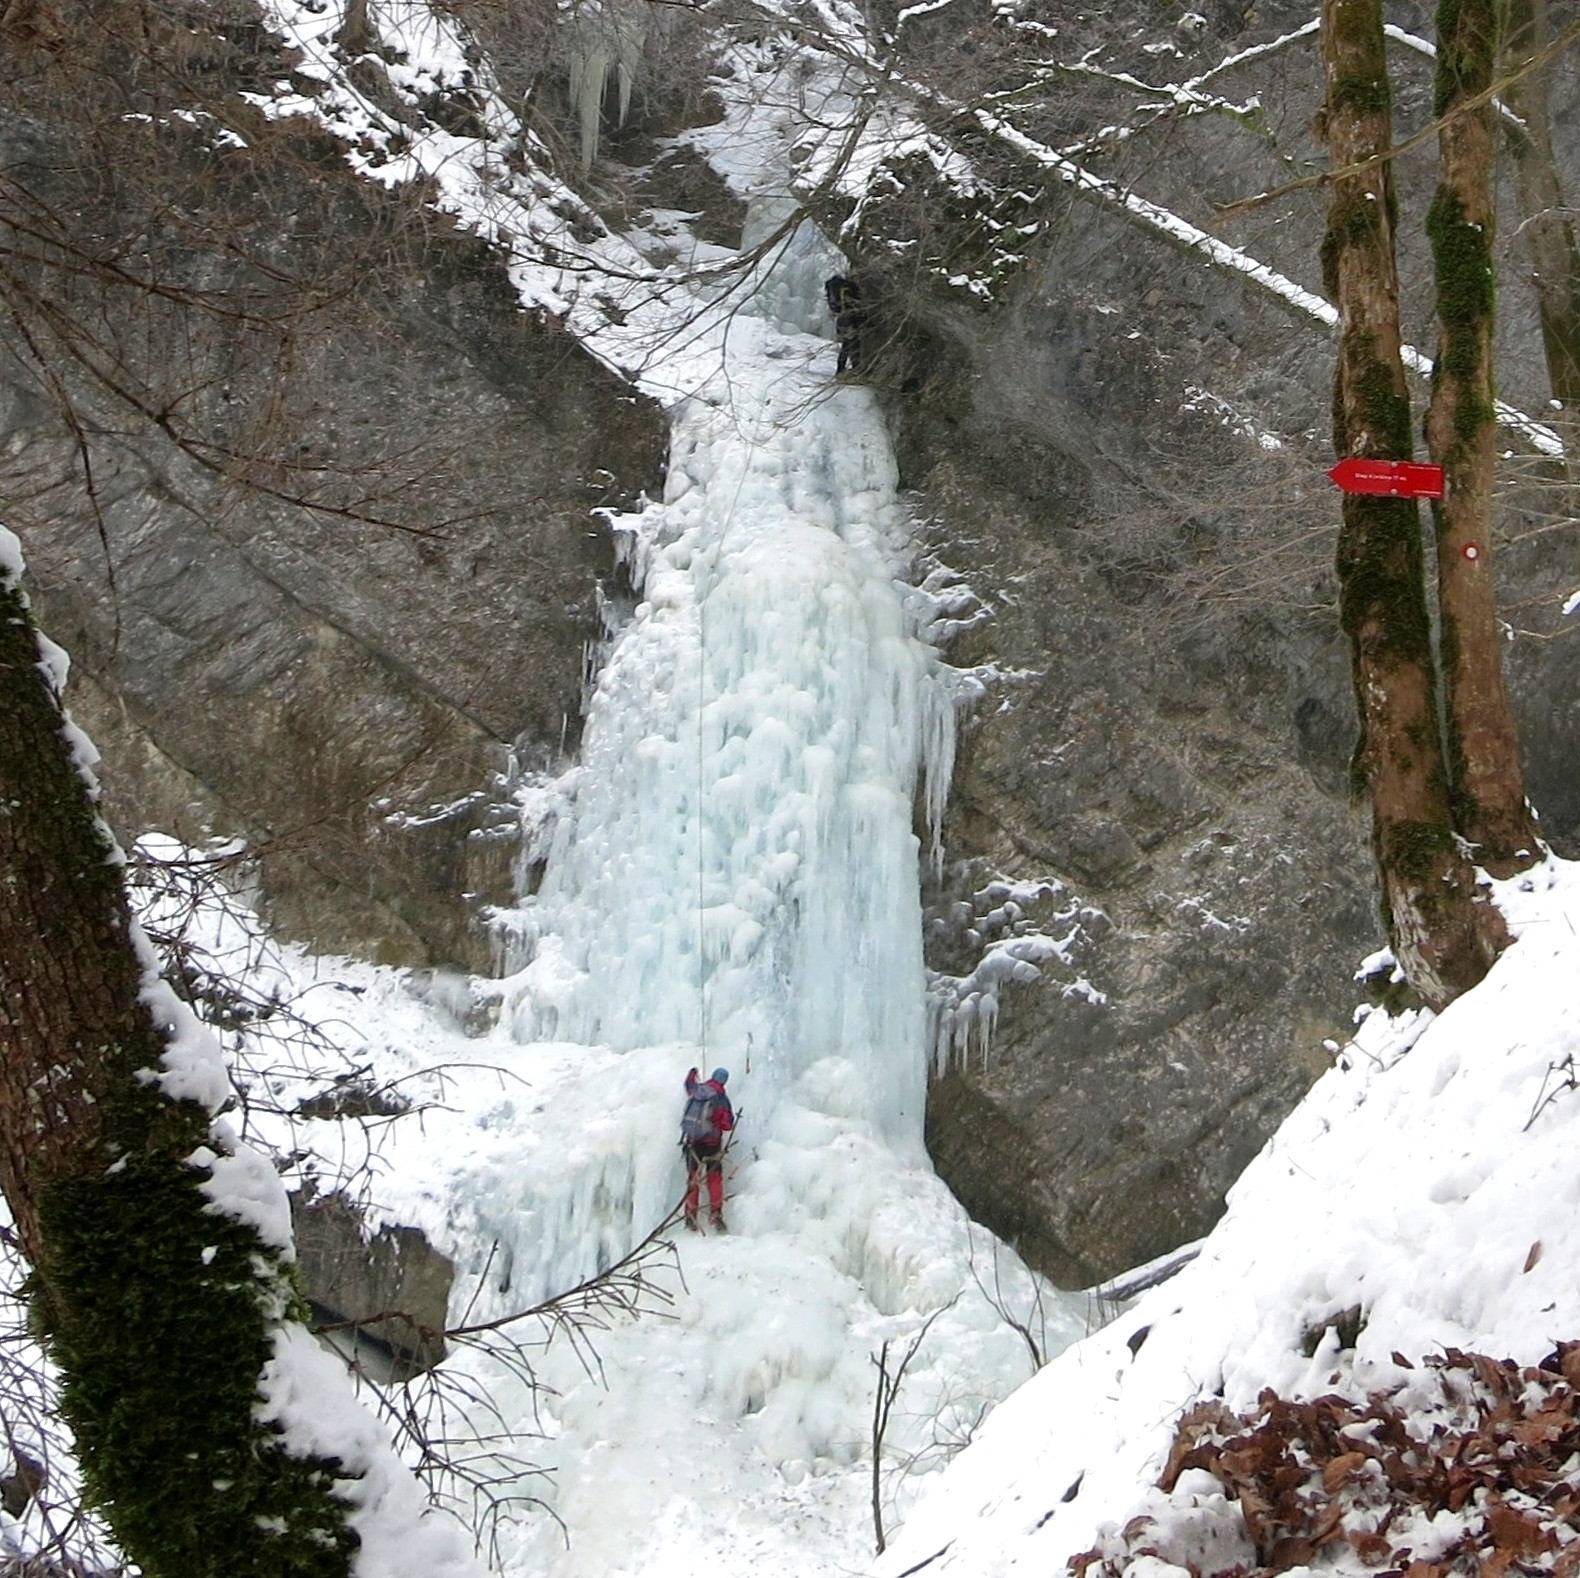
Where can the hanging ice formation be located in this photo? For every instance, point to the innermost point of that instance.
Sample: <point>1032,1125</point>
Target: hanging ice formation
<point>740,870</point>
<point>735,880</point>
<point>606,38</point>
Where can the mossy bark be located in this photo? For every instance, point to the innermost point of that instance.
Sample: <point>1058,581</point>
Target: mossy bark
<point>1442,936</point>
<point>1486,778</point>
<point>159,1311</point>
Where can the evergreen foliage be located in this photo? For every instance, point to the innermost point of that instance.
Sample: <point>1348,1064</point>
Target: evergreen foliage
<point>159,1308</point>
<point>160,1313</point>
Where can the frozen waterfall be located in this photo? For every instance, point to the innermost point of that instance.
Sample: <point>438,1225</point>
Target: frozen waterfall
<point>731,876</point>
<point>733,879</point>
<point>739,870</point>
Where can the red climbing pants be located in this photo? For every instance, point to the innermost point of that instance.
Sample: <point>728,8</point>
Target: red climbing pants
<point>700,1159</point>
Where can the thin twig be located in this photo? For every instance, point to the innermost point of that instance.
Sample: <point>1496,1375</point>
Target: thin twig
<point>1475,102</point>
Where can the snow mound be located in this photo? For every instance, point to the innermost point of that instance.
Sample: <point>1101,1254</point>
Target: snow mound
<point>1421,1201</point>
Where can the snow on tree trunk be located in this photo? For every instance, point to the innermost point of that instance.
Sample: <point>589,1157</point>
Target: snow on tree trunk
<point>211,1435</point>
<point>1487,782</point>
<point>1442,937</point>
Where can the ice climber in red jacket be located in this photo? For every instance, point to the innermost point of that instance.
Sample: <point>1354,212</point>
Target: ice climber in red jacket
<point>707,1119</point>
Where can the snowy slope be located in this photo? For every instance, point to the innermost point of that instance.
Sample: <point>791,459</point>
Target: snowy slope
<point>1429,1179</point>
<point>732,878</point>
<point>731,1422</point>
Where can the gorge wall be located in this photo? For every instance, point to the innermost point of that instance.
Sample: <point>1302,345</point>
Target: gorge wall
<point>336,577</point>
<point>1117,466</point>
<point>1122,456</point>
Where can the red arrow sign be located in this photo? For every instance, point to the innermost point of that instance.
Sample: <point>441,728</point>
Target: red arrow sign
<point>1400,479</point>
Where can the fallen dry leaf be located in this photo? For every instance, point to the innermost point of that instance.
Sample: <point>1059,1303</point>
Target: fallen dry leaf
<point>1495,1431</point>
<point>1293,1550</point>
<point>1519,1535</point>
<point>1341,1468</point>
<point>1372,1548</point>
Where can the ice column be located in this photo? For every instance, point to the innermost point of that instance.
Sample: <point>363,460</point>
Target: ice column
<point>739,870</point>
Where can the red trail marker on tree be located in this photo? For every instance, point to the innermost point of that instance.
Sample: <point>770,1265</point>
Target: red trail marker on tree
<point>1400,479</point>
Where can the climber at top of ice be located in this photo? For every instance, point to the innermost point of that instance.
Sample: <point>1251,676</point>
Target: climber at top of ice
<point>707,1119</point>
<point>844,301</point>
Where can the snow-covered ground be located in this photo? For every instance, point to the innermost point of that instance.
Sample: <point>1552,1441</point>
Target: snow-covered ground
<point>731,1423</point>
<point>1428,1180</point>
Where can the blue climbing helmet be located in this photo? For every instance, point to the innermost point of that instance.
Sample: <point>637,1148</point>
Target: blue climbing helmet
<point>721,1076</point>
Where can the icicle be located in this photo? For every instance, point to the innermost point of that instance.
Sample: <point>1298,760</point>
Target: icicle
<point>938,766</point>
<point>607,37</point>
<point>588,72</point>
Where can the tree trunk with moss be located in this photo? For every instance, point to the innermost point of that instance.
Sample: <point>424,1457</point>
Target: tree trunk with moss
<point>1545,221</point>
<point>1442,937</point>
<point>1486,778</point>
<point>159,1308</point>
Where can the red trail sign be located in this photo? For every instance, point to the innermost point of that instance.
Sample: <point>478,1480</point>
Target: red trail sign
<point>1400,479</point>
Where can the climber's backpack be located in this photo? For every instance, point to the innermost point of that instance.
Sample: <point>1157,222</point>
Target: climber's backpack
<point>696,1123</point>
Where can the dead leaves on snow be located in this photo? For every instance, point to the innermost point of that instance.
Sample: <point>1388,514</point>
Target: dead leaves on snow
<point>1493,1445</point>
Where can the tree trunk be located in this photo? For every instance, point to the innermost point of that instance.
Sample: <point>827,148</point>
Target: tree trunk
<point>1486,779</point>
<point>1549,234</point>
<point>160,1310</point>
<point>1443,939</point>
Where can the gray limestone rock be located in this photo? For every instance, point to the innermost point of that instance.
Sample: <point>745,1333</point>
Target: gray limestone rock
<point>1164,735</point>
<point>341,646</point>
<point>391,1282</point>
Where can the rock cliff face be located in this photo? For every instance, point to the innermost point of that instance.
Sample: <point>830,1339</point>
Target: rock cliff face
<point>330,624</point>
<point>1122,459</point>
<point>347,570</point>
<point>1170,768</point>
